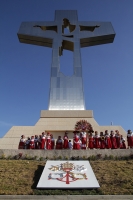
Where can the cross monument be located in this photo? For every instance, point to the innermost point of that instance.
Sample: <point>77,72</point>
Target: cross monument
<point>66,92</point>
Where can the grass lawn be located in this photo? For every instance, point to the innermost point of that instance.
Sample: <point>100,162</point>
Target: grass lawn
<point>21,177</point>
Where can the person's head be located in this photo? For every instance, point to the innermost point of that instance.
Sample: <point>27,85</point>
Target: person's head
<point>69,140</point>
<point>96,132</point>
<point>112,132</point>
<point>129,131</point>
<point>75,132</point>
<point>101,133</point>
<point>36,136</point>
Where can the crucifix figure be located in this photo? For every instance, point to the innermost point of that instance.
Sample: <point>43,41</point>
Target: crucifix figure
<point>66,92</point>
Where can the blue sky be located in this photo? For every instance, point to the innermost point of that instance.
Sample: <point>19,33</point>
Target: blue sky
<point>25,69</point>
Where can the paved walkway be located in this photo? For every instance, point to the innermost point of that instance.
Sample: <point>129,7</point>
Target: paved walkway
<point>67,197</point>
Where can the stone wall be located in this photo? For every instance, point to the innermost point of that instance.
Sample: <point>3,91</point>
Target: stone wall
<point>66,153</point>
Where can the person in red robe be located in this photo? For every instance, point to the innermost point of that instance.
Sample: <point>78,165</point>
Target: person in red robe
<point>108,144</point>
<point>52,142</point>
<point>65,138</point>
<point>113,140</point>
<point>32,144</point>
<point>43,140</point>
<point>22,142</point>
<point>122,143</point>
<point>96,140</point>
<point>117,135</point>
<point>36,142</point>
<point>48,141</point>
<point>83,138</point>
<point>102,141</point>
<point>130,139</point>
<point>91,141</point>
<point>76,141</point>
<point>59,143</point>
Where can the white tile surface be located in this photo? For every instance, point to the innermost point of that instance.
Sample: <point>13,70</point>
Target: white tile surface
<point>84,167</point>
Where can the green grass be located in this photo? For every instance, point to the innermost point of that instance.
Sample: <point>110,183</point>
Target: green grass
<point>21,177</point>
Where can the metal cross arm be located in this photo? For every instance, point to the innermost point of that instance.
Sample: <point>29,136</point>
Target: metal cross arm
<point>43,33</point>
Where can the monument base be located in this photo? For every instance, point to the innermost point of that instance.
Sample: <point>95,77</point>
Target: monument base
<point>55,122</point>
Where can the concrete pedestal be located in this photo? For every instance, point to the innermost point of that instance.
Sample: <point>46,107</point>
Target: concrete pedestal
<point>55,122</point>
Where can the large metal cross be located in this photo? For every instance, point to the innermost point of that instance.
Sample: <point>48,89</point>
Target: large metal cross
<point>66,92</point>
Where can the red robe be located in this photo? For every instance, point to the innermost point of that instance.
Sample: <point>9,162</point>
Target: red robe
<point>48,143</point>
<point>76,142</point>
<point>113,141</point>
<point>65,145</point>
<point>21,144</point>
<point>117,140</point>
<point>31,144</point>
<point>97,142</point>
<point>83,140</point>
<point>43,141</point>
<point>108,144</point>
<point>59,144</point>
<point>122,144</point>
<point>102,142</point>
<point>130,140</point>
<point>52,143</point>
<point>91,142</point>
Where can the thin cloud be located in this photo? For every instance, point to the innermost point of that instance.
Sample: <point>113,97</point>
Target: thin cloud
<point>2,123</point>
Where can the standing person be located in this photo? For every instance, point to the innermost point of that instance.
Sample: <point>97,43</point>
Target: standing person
<point>96,140</point>
<point>76,141</point>
<point>36,142</point>
<point>70,146</point>
<point>52,142</point>
<point>32,144</point>
<point>43,140</point>
<point>113,140</point>
<point>27,143</point>
<point>91,141</point>
<point>39,141</point>
<point>48,141</point>
<point>102,141</point>
<point>130,139</point>
<point>65,138</point>
<point>22,142</point>
<point>122,143</point>
<point>117,135</point>
<point>59,143</point>
<point>83,138</point>
<point>108,144</point>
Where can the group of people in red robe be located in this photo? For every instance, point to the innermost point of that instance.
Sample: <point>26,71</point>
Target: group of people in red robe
<point>81,140</point>
<point>44,141</point>
<point>106,140</point>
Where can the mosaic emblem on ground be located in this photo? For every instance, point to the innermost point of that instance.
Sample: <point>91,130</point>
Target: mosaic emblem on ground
<point>68,174</point>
